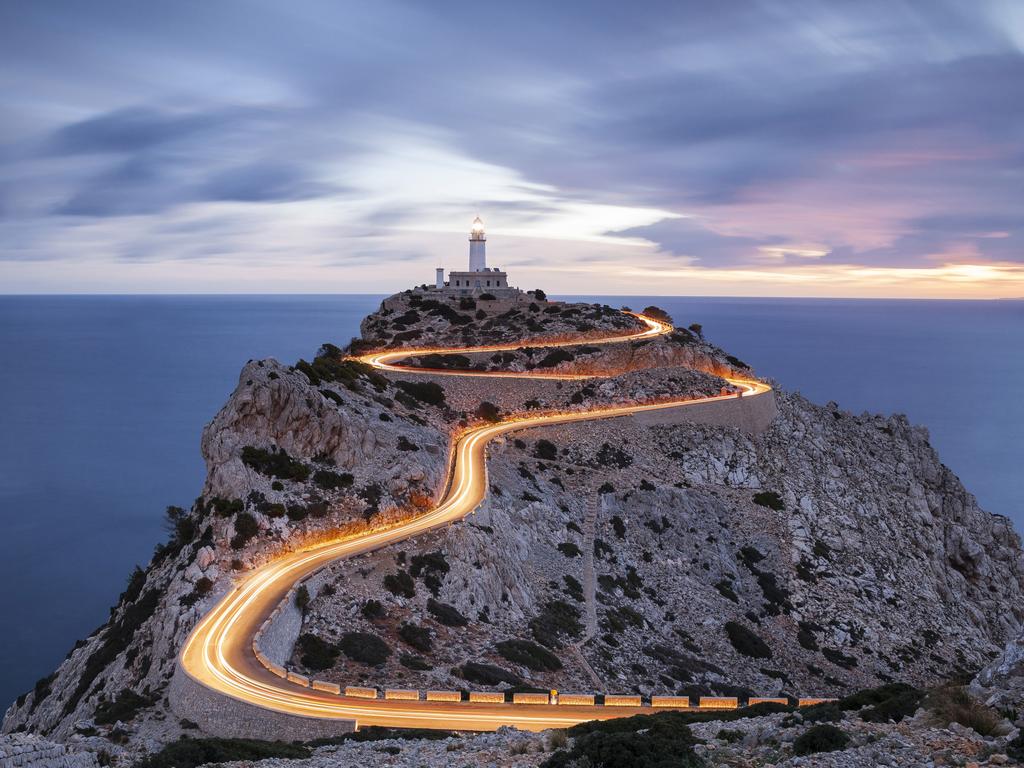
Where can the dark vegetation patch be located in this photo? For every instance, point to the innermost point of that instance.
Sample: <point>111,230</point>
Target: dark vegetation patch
<point>892,701</point>
<point>123,708</point>
<point>735,362</point>
<point>446,614</point>
<point>820,738</point>
<point>116,637</point>
<point>678,665</point>
<point>486,674</point>
<point>529,655</point>
<point>433,567</point>
<point>839,658</point>
<point>380,733</point>
<point>275,463</point>
<point>554,357</point>
<point>372,609</point>
<point>427,392</point>
<point>330,480</point>
<point>657,313</point>
<point>364,647</point>
<point>573,588</point>
<point>745,641</point>
<point>400,584</point>
<point>246,528</point>
<point>189,753</point>
<point>770,499</point>
<point>725,589</point>
<point>416,636</point>
<point>614,456</point>
<point>805,635</point>
<point>316,653</point>
<point>776,596</point>
<point>655,741</point>
<point>328,365</point>
<point>569,549</point>
<point>488,411</point>
<point>416,663</point>
<point>556,619</point>
<point>546,450</point>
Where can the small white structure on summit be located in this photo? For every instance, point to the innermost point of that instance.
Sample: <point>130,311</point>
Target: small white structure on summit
<point>479,278</point>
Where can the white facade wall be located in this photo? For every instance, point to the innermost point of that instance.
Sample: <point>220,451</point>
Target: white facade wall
<point>477,255</point>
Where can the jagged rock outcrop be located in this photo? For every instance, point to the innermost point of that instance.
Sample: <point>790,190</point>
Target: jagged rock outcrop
<point>1001,683</point>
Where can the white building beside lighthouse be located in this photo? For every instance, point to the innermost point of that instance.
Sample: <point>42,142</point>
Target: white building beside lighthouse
<point>479,278</point>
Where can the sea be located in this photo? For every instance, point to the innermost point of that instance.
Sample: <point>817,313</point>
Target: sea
<point>103,400</point>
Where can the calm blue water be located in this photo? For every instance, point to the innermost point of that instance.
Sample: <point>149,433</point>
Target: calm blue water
<point>102,400</point>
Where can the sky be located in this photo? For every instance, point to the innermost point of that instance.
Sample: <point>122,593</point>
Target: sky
<point>683,148</point>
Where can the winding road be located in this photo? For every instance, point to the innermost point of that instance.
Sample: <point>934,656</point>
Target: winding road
<point>219,652</point>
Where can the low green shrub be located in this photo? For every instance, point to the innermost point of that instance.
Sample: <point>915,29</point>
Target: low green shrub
<point>246,528</point>
<point>529,655</point>
<point>632,742</point>
<point>400,584</point>
<point>446,614</point>
<point>953,704</point>
<point>427,392</point>
<point>546,450</point>
<point>554,357</point>
<point>820,738</point>
<point>488,411</point>
<point>657,313</point>
<point>122,709</point>
<point>770,499</point>
<point>556,619</point>
<point>486,674</point>
<point>330,480</point>
<point>365,648</point>
<point>189,753</point>
<point>745,641</point>
<point>316,653</point>
<point>569,549</point>
<point>380,733</point>
<point>724,588</point>
<point>416,636</point>
<point>274,463</point>
<point>372,609</point>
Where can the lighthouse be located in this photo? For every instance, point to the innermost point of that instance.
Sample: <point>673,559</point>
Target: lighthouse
<point>479,280</point>
<point>477,247</point>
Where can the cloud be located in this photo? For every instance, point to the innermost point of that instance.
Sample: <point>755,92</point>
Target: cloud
<point>811,140</point>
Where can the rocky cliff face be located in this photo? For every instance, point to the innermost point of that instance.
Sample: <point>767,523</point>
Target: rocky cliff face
<point>831,552</point>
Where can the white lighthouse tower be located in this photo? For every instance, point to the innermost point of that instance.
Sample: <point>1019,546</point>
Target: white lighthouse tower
<point>477,247</point>
<point>488,282</point>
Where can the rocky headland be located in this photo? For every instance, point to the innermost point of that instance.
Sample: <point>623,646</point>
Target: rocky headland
<point>827,554</point>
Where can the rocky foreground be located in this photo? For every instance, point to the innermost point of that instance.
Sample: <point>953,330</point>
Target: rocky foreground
<point>832,553</point>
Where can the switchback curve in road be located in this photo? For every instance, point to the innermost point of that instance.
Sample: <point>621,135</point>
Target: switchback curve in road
<point>219,651</point>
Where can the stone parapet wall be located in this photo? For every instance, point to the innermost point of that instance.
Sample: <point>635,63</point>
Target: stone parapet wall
<point>228,718</point>
<point>25,750</point>
<point>751,413</point>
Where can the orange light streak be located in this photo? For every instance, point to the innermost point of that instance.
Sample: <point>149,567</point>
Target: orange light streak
<point>219,652</point>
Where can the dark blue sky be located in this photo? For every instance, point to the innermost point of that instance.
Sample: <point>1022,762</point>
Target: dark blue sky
<point>869,148</point>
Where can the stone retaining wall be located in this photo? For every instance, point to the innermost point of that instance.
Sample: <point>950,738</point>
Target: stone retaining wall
<point>751,413</point>
<point>26,750</point>
<point>228,718</point>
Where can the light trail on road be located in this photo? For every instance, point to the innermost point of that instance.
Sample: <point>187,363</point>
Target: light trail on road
<point>219,652</point>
